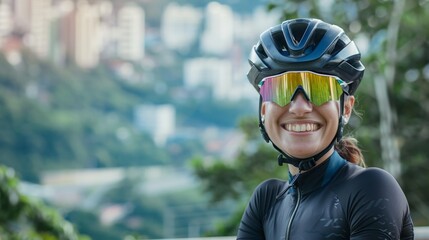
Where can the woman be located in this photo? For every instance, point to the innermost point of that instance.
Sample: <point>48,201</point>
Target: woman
<point>306,72</point>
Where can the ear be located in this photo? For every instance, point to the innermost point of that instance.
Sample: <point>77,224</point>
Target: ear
<point>263,109</point>
<point>348,106</point>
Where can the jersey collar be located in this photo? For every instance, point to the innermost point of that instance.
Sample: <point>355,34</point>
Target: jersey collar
<point>320,175</point>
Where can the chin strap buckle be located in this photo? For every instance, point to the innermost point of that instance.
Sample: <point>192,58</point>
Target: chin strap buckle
<point>302,164</point>
<point>307,164</point>
<point>281,159</point>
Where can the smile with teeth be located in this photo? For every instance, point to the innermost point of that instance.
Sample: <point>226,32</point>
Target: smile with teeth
<point>301,127</point>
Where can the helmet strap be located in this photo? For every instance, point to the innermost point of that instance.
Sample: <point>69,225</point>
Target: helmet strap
<point>303,164</point>
<point>341,121</point>
<point>261,124</point>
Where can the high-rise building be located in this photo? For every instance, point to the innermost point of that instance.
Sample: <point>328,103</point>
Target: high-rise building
<point>157,120</point>
<point>218,32</point>
<point>131,32</point>
<point>40,26</point>
<point>6,23</point>
<point>180,26</point>
<point>214,73</point>
<point>63,32</point>
<point>21,15</point>
<point>87,34</point>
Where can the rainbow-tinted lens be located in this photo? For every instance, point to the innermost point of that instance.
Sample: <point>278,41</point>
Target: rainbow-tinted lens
<point>318,88</point>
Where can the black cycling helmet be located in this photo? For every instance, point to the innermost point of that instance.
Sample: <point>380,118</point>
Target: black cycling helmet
<point>306,44</point>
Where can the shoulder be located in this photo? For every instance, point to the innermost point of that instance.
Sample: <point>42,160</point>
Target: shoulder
<point>271,185</point>
<point>265,193</point>
<point>366,185</point>
<point>263,198</point>
<point>269,189</point>
<point>372,177</point>
<point>374,198</point>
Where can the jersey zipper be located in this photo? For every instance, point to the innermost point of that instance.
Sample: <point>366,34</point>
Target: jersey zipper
<point>293,214</point>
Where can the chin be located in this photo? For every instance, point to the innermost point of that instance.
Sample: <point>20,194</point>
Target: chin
<point>302,152</point>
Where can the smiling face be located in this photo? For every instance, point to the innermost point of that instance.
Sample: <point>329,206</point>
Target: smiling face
<point>300,128</point>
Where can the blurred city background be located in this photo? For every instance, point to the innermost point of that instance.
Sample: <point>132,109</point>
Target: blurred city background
<point>134,120</point>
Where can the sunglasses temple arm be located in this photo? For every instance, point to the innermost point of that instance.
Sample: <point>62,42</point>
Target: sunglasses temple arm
<point>261,124</point>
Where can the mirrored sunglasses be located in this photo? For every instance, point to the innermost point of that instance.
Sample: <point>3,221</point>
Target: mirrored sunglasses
<point>318,88</point>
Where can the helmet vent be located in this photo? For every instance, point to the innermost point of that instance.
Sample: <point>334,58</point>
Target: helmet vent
<point>338,47</point>
<point>281,42</point>
<point>297,31</point>
<point>261,51</point>
<point>318,35</point>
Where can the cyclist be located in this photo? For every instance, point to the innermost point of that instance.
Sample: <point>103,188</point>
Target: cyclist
<point>306,72</point>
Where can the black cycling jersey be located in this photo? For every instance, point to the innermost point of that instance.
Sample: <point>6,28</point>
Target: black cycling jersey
<point>335,200</point>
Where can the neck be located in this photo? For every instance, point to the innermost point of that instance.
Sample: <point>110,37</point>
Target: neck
<point>294,170</point>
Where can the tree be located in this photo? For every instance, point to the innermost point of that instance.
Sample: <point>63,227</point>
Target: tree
<point>24,218</point>
<point>236,179</point>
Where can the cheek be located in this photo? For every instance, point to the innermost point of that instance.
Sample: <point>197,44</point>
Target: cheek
<point>271,110</point>
<point>330,110</point>
<point>330,114</point>
<point>272,113</point>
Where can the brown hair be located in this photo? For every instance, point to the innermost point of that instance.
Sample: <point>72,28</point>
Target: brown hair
<point>348,149</point>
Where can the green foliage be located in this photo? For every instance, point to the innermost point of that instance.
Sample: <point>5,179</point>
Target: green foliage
<point>54,118</point>
<point>236,179</point>
<point>65,117</point>
<point>87,222</point>
<point>202,111</point>
<point>147,216</point>
<point>25,218</point>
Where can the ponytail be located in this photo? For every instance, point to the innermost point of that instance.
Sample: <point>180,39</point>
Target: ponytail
<point>348,149</point>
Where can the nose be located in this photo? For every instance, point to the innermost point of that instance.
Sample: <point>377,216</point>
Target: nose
<point>300,105</point>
